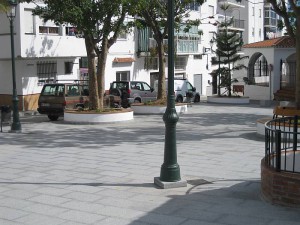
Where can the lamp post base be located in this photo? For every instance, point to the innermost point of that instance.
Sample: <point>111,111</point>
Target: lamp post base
<point>15,128</point>
<point>168,185</point>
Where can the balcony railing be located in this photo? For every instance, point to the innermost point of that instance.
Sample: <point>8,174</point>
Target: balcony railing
<point>238,24</point>
<point>181,46</point>
<point>233,3</point>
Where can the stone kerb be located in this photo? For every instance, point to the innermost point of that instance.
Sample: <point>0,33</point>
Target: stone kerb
<point>74,117</point>
<point>228,100</point>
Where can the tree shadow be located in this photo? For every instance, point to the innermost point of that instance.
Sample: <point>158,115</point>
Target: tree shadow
<point>219,202</point>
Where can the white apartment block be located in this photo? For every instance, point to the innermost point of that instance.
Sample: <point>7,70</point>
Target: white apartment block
<point>46,52</point>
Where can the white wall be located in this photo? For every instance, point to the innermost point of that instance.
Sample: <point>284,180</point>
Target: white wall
<point>255,92</point>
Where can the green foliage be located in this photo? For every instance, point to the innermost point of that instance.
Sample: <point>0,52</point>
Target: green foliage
<point>154,14</point>
<point>100,22</point>
<point>229,42</point>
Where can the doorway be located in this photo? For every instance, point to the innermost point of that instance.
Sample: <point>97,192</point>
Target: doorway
<point>198,82</point>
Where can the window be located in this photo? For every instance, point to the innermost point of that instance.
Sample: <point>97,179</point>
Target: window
<point>189,87</point>
<point>48,30</point>
<point>180,63</point>
<point>195,6</point>
<point>259,32</point>
<point>83,62</point>
<point>253,31</point>
<point>68,67</point>
<point>253,11</point>
<point>46,72</point>
<point>259,13</point>
<point>73,90</point>
<point>123,76</point>
<point>146,87</point>
<point>53,90</point>
<point>71,31</point>
<point>28,21</point>
<point>136,86</point>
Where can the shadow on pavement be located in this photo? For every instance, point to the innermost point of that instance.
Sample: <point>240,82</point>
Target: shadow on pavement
<point>214,204</point>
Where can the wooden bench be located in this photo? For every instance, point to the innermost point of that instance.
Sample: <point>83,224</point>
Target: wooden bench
<point>238,88</point>
<point>281,111</point>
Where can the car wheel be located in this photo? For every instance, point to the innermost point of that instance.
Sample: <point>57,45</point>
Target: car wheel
<point>53,117</point>
<point>197,98</point>
<point>179,99</point>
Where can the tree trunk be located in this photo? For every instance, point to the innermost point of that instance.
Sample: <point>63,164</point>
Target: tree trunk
<point>93,84</point>
<point>161,92</point>
<point>297,85</point>
<point>102,57</point>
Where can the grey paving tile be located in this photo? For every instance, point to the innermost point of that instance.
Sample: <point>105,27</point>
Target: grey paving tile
<point>44,209</point>
<point>154,218</point>
<point>49,199</point>
<point>39,219</point>
<point>81,196</point>
<point>80,217</point>
<point>7,222</point>
<point>83,206</point>
<point>112,182</point>
<point>14,203</point>
<point>10,213</point>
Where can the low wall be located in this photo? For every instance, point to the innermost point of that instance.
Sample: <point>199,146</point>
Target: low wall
<point>282,188</point>
<point>26,102</point>
<point>255,92</point>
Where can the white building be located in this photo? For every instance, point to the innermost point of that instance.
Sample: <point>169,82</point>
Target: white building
<point>46,52</point>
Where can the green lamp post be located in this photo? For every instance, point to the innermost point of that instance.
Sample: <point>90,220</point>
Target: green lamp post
<point>16,125</point>
<point>170,170</point>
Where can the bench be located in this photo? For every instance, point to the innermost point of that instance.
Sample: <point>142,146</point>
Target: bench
<point>281,111</point>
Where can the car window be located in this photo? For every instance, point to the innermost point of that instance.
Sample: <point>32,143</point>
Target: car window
<point>120,85</point>
<point>146,87</point>
<point>136,86</point>
<point>189,86</point>
<point>53,90</point>
<point>73,90</point>
<point>85,90</point>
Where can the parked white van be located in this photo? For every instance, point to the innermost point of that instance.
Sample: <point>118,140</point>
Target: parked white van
<point>184,90</point>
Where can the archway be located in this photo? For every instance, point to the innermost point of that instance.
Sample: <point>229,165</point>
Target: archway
<point>258,70</point>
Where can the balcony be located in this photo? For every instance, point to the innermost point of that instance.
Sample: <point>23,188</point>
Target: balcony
<point>181,46</point>
<point>232,3</point>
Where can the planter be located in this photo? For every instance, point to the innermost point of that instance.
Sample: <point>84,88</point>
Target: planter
<point>228,100</point>
<point>156,109</point>
<point>260,125</point>
<point>93,117</point>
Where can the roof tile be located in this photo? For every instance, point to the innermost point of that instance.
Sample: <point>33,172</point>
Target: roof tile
<point>280,42</point>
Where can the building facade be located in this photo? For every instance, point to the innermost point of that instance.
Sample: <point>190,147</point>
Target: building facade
<point>46,52</point>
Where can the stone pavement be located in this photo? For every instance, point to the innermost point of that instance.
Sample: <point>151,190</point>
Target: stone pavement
<point>65,174</point>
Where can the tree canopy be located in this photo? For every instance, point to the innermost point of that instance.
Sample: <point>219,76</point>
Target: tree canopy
<point>100,22</point>
<point>153,14</point>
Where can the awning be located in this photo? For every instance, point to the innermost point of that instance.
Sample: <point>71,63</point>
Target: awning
<point>123,60</point>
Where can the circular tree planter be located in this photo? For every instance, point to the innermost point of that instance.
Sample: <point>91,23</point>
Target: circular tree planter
<point>74,116</point>
<point>156,109</point>
<point>282,188</point>
<point>228,100</point>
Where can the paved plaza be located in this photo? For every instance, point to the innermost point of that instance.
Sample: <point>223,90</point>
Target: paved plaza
<point>55,173</point>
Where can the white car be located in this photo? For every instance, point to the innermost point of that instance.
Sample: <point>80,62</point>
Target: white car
<point>184,90</point>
